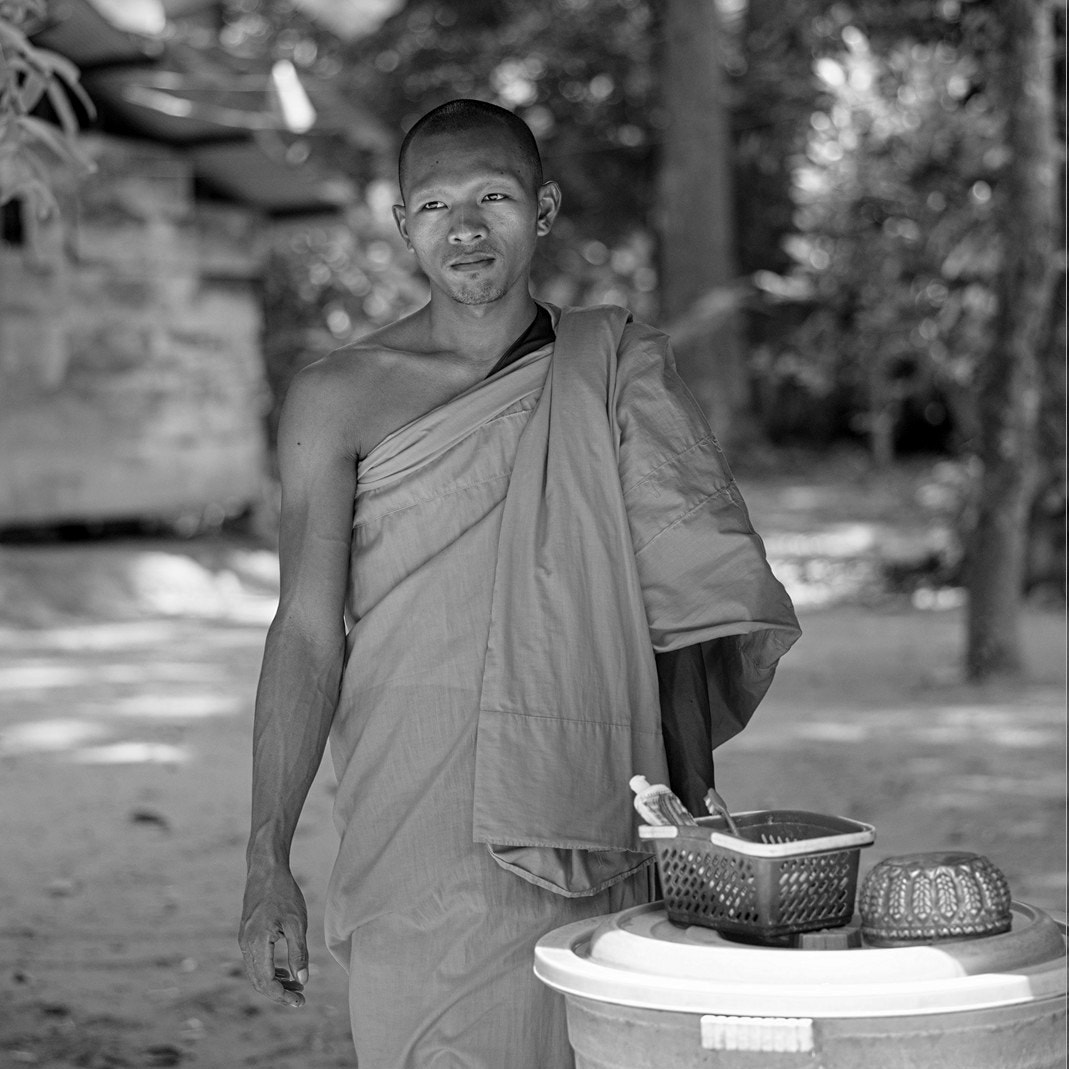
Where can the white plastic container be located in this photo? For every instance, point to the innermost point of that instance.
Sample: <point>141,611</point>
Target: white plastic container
<point>643,993</point>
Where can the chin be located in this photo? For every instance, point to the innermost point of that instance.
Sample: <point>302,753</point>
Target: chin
<point>485,293</point>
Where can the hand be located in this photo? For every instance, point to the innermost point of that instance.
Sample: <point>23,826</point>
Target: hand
<point>274,909</point>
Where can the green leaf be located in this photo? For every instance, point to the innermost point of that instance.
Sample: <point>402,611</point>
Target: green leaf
<point>57,64</point>
<point>49,135</point>
<point>75,86</point>
<point>13,36</point>
<point>39,167</point>
<point>41,202</point>
<point>33,88</point>
<point>64,111</point>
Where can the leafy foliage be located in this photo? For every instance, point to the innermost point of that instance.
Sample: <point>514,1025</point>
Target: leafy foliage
<point>886,308</point>
<point>868,156</point>
<point>29,145</point>
<point>580,72</point>
<point>895,247</point>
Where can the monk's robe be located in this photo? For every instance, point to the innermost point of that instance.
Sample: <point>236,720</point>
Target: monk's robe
<point>521,555</point>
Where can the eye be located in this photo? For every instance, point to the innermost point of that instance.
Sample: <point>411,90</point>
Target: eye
<point>496,196</point>
<point>431,205</point>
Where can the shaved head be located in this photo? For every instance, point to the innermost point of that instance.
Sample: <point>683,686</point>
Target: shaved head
<point>463,116</point>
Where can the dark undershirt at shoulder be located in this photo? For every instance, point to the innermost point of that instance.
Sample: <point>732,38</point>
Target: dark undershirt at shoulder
<point>539,333</point>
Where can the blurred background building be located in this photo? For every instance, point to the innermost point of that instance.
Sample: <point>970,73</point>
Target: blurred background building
<point>132,378</point>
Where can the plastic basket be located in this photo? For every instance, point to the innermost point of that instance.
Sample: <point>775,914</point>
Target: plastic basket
<point>788,871</point>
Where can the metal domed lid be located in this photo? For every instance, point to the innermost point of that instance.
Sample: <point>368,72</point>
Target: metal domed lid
<point>639,958</point>
<point>921,898</point>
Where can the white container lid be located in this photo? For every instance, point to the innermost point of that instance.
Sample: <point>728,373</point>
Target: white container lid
<point>640,958</point>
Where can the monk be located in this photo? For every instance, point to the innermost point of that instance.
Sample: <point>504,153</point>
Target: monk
<point>515,571</point>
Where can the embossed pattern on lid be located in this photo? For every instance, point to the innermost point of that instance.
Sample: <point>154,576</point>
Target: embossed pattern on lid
<point>922,898</point>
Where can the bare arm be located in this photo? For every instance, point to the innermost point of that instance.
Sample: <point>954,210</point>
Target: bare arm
<point>301,673</point>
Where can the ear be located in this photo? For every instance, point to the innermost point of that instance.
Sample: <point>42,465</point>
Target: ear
<point>548,206</point>
<point>400,219</point>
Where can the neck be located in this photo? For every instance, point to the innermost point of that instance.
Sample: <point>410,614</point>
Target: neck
<point>481,331</point>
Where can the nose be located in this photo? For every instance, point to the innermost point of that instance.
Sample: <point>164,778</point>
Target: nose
<point>466,226</point>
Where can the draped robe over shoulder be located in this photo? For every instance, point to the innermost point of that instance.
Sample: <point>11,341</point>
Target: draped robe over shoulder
<point>520,554</point>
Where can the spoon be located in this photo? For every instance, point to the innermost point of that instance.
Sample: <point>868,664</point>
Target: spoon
<point>716,804</point>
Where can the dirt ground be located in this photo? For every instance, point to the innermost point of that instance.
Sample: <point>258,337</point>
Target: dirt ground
<point>127,673</point>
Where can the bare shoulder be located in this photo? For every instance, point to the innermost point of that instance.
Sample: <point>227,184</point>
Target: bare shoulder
<point>380,382</point>
<point>337,401</point>
<point>315,413</point>
<point>361,393</point>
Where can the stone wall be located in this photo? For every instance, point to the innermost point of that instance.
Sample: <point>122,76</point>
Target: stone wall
<point>131,379</point>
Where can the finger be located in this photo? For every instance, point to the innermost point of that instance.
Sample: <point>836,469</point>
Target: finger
<point>275,984</point>
<point>286,992</point>
<point>297,949</point>
<point>259,954</point>
<point>291,990</point>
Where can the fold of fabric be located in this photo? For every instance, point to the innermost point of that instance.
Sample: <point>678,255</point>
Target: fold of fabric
<point>404,451</point>
<point>520,555</point>
<point>622,535</point>
<point>425,534</point>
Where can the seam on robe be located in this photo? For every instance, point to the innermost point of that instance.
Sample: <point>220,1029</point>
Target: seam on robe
<point>378,517</point>
<point>721,492</point>
<point>523,362</point>
<point>580,384</point>
<point>641,481</point>
<point>696,635</point>
<point>605,847</point>
<point>585,804</point>
<point>365,485</point>
<point>774,635</point>
<point>548,885</point>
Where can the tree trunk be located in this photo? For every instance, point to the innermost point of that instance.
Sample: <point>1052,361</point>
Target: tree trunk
<point>1008,382</point>
<point>698,272</point>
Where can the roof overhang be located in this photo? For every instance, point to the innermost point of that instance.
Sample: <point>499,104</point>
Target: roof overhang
<point>90,38</point>
<point>248,172</point>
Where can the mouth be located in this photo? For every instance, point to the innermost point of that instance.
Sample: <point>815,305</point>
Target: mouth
<point>474,262</point>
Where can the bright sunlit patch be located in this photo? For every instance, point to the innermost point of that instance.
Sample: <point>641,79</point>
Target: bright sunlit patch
<point>175,585</point>
<point>98,637</point>
<point>939,600</point>
<point>48,736</point>
<point>1026,738</point>
<point>822,581</point>
<point>350,20</point>
<point>154,671</point>
<point>991,717</point>
<point>50,675</point>
<point>1046,786</point>
<point>834,731</point>
<point>175,706</point>
<point>41,676</point>
<point>146,17</point>
<point>837,540</point>
<point>289,97</point>
<point>1001,726</point>
<point>132,753</point>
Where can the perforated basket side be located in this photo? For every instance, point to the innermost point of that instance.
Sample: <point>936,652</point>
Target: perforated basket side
<point>761,897</point>
<point>817,891</point>
<point>707,887</point>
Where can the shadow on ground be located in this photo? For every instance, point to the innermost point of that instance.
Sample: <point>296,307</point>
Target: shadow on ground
<point>127,673</point>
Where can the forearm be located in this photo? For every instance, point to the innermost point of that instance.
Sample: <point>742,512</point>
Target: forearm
<point>295,704</point>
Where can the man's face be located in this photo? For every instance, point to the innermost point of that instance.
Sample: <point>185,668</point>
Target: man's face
<point>471,214</point>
